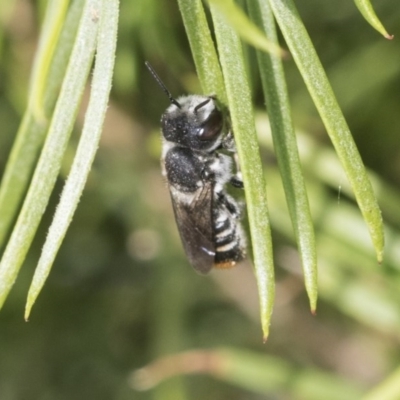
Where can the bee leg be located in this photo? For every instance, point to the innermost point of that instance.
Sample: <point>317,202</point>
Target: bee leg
<point>236,181</point>
<point>228,142</point>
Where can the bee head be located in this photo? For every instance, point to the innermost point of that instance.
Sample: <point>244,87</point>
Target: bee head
<point>196,124</point>
<point>191,121</point>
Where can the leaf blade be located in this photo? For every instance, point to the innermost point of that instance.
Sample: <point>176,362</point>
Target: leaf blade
<point>31,132</point>
<point>203,49</point>
<point>370,16</point>
<point>321,92</point>
<point>277,101</point>
<point>88,144</point>
<point>245,28</point>
<point>50,159</point>
<point>241,111</point>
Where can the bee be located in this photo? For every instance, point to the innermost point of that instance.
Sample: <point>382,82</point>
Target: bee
<point>198,152</point>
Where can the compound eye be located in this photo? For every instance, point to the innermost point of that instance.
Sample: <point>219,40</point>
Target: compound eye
<point>211,128</point>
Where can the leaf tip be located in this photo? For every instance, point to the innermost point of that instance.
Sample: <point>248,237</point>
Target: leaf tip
<point>3,297</point>
<point>313,311</point>
<point>265,329</point>
<point>30,301</point>
<point>313,304</point>
<point>388,37</point>
<point>379,254</point>
<point>27,314</point>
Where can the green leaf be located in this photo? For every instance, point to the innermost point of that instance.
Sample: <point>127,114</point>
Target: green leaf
<point>53,23</point>
<point>321,92</point>
<point>368,13</point>
<point>203,49</point>
<point>249,32</point>
<point>35,122</point>
<point>241,111</point>
<point>88,145</point>
<point>260,373</point>
<point>49,163</point>
<point>277,101</point>
<point>267,374</point>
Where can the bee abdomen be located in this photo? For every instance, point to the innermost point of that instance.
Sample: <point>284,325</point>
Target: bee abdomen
<point>229,240</point>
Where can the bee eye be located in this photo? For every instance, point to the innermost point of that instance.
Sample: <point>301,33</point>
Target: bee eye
<point>211,128</point>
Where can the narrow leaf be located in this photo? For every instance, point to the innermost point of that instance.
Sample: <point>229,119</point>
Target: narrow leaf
<point>368,13</point>
<point>249,32</point>
<point>240,107</point>
<point>55,15</point>
<point>321,92</point>
<point>87,147</point>
<point>50,159</point>
<point>31,133</point>
<point>277,100</point>
<point>267,374</point>
<point>270,376</point>
<point>203,49</point>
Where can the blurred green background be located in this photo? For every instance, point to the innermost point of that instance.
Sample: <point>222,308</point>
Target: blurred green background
<point>121,293</point>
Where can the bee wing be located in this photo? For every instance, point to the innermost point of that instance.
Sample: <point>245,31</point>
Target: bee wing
<point>195,227</point>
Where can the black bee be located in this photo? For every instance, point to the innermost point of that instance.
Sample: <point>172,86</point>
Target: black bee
<point>197,171</point>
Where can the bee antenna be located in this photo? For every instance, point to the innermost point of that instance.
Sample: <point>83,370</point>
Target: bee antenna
<point>161,83</point>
